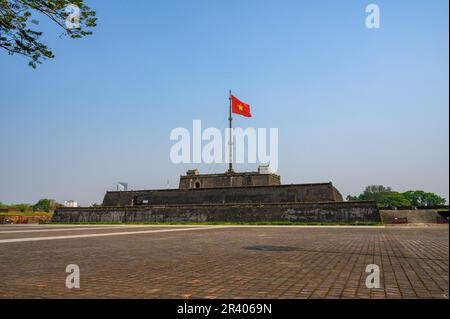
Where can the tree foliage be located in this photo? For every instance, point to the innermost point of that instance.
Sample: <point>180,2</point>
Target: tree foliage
<point>392,199</point>
<point>45,205</point>
<point>376,189</point>
<point>18,19</point>
<point>386,197</point>
<point>422,198</point>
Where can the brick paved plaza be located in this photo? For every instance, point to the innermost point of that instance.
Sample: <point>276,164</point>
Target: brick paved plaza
<point>223,262</point>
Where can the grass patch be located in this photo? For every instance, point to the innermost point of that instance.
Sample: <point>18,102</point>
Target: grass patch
<point>26,214</point>
<point>268,223</point>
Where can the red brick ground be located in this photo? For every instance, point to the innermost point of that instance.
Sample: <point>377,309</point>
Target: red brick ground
<point>235,262</point>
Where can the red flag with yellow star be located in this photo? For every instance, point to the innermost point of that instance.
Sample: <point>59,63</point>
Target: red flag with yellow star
<point>239,107</point>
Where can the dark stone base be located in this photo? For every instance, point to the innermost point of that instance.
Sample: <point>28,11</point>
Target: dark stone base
<point>334,212</point>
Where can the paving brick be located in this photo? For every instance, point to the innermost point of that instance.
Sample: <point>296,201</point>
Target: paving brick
<point>230,263</point>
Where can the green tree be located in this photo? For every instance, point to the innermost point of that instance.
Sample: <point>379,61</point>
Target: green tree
<point>422,198</point>
<point>3,205</point>
<point>384,196</point>
<point>17,18</point>
<point>372,191</point>
<point>375,192</point>
<point>45,205</point>
<point>393,199</point>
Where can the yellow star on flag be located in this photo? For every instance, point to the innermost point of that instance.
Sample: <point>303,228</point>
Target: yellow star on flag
<point>237,106</point>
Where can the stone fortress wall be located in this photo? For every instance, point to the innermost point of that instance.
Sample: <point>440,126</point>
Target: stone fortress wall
<point>228,197</point>
<point>323,192</point>
<point>414,216</point>
<point>195,180</point>
<point>333,212</point>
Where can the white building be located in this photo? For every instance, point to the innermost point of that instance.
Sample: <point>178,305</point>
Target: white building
<point>70,203</point>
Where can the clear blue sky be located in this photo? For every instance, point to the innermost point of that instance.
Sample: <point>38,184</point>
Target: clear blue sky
<point>353,106</point>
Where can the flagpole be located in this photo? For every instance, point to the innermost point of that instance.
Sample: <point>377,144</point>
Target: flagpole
<point>230,165</point>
